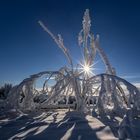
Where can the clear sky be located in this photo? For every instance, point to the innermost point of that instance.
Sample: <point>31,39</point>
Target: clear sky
<point>26,49</point>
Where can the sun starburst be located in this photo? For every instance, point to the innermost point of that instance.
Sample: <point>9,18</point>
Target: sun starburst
<point>86,69</point>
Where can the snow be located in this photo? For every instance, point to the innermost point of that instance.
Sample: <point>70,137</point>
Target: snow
<point>105,117</point>
<point>57,124</point>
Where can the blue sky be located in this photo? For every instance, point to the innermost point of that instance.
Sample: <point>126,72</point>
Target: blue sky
<point>26,49</point>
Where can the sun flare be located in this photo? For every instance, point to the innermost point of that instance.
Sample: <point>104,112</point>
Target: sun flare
<point>86,69</point>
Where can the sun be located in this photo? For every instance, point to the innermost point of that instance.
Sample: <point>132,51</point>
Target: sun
<point>86,69</point>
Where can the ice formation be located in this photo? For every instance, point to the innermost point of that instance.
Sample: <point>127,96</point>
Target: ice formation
<point>105,93</point>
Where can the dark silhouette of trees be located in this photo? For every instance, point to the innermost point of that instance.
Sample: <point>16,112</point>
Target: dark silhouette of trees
<point>4,90</point>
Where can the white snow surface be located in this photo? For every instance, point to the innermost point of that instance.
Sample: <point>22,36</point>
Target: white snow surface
<point>55,125</point>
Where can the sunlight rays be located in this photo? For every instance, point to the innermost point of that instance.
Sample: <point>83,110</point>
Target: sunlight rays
<point>87,69</point>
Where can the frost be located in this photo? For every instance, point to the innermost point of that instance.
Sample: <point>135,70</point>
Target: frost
<point>76,87</point>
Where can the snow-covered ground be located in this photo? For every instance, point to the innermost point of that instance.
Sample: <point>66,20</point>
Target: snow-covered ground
<point>56,125</point>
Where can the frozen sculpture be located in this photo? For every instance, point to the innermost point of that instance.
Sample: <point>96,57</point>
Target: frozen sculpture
<point>76,86</point>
